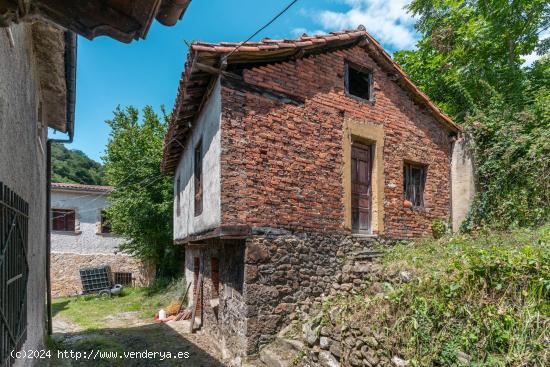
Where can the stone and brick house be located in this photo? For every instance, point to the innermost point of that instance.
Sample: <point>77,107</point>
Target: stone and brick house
<point>289,156</point>
<point>37,92</point>
<point>82,238</point>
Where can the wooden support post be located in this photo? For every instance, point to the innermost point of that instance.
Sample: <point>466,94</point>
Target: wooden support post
<point>183,298</point>
<point>198,296</point>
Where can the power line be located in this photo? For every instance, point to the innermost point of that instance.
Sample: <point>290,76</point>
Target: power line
<point>151,179</point>
<point>262,28</point>
<point>124,180</point>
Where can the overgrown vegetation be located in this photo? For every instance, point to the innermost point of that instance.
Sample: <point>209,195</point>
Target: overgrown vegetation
<point>73,166</point>
<point>512,150</point>
<point>141,205</point>
<point>469,60</point>
<point>484,298</point>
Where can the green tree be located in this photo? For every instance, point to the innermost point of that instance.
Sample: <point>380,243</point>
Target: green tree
<point>141,204</point>
<point>471,50</point>
<point>73,166</point>
<point>512,158</point>
<point>469,60</point>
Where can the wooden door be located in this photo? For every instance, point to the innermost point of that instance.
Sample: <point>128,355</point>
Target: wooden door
<point>361,188</point>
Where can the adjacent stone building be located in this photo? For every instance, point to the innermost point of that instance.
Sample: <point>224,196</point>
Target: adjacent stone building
<point>289,157</point>
<point>82,238</point>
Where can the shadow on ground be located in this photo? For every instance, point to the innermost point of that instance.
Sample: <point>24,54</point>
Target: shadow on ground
<point>57,307</point>
<point>96,345</point>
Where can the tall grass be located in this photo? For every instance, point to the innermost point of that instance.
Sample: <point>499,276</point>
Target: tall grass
<point>485,297</point>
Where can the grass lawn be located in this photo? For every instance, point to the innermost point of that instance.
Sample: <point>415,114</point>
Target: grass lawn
<point>89,311</point>
<point>113,326</point>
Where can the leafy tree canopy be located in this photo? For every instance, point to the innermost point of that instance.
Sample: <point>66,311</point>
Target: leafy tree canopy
<point>469,60</point>
<point>141,204</point>
<point>470,50</point>
<point>73,166</point>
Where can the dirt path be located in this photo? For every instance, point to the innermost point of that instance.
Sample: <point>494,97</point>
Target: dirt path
<point>125,333</point>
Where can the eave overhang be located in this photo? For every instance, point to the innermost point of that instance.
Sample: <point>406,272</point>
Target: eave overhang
<point>123,20</point>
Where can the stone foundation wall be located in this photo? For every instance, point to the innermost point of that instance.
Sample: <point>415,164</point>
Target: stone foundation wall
<point>286,270</point>
<point>224,311</point>
<point>332,340</point>
<point>65,276</point>
<point>269,280</point>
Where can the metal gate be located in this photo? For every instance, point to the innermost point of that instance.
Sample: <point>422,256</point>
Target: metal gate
<point>14,269</point>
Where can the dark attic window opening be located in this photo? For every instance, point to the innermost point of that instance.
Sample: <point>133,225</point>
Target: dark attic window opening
<point>358,82</point>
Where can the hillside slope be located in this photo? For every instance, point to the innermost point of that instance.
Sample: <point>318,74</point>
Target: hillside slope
<point>477,300</point>
<point>73,166</point>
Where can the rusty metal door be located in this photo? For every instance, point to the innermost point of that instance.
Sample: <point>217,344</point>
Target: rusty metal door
<point>361,188</point>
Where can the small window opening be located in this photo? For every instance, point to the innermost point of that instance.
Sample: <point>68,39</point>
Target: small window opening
<point>105,222</point>
<point>359,82</point>
<point>178,194</point>
<point>63,220</point>
<point>198,178</point>
<point>414,183</point>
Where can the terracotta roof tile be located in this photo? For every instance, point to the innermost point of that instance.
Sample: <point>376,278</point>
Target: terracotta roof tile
<point>80,187</point>
<point>303,43</point>
<point>277,49</point>
<point>268,47</point>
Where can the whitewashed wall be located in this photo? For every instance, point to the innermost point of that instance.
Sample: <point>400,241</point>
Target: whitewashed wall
<point>207,128</point>
<point>87,238</point>
<point>462,181</point>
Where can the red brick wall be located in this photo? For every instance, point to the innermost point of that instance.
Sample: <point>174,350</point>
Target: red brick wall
<point>282,163</point>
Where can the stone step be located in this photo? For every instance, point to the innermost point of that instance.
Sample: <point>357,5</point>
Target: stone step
<point>366,255</point>
<point>281,352</point>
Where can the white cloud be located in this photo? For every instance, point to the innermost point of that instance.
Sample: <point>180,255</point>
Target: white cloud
<point>297,32</point>
<point>386,20</point>
<point>530,59</point>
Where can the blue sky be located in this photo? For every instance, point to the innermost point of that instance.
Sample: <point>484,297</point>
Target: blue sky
<point>147,72</point>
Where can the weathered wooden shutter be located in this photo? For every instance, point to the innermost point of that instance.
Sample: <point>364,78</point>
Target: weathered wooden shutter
<point>70,220</point>
<point>407,183</point>
<point>63,220</point>
<point>14,269</point>
<point>423,177</point>
<point>198,178</point>
<point>58,220</point>
<point>178,197</point>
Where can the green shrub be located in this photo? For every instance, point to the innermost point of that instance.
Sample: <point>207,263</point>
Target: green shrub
<point>439,228</point>
<point>486,296</point>
<point>511,150</point>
